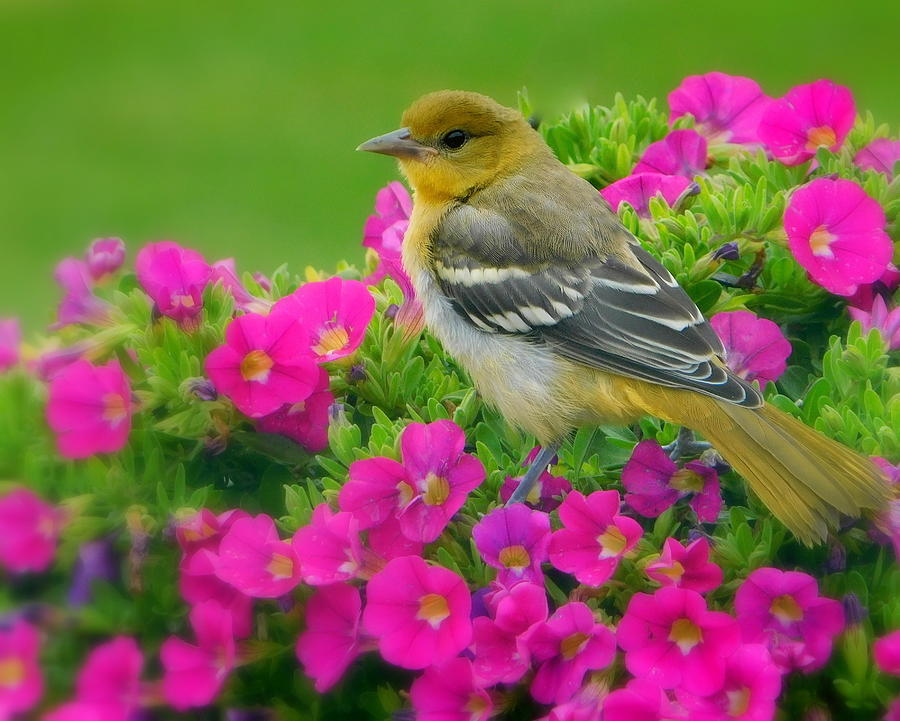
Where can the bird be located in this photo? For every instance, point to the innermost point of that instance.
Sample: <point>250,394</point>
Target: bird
<point>562,319</point>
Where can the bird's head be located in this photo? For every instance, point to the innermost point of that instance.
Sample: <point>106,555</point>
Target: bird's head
<point>454,142</point>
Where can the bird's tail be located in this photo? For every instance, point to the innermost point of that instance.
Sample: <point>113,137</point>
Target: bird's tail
<point>804,478</point>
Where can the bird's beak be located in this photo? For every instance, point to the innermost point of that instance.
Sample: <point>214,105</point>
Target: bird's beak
<point>400,144</point>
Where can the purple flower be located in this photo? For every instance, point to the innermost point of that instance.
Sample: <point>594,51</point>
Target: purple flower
<point>886,321</point>
<point>880,155</point>
<point>686,567</point>
<point>546,494</point>
<point>104,257</point>
<point>636,190</point>
<point>79,304</point>
<point>681,152</point>
<point>97,561</point>
<point>174,278</point>
<point>224,272</point>
<point>514,539</point>
<point>756,347</point>
<point>10,338</point>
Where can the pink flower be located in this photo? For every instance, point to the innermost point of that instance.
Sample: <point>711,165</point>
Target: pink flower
<point>880,155</point>
<point>384,231</point>
<point>224,272</point>
<point>809,117</point>
<point>90,409</point>
<point>836,232</point>
<point>332,639</point>
<point>547,493</point>
<point>565,647</point>
<point>671,638</point>
<point>79,304</point>
<point>586,705</point>
<point>104,257</point>
<point>86,711</point>
<point>594,536</point>
<point>752,684</point>
<point>174,278</point>
<point>424,491</point>
<point>450,692</point>
<point>264,363</point>
<point>307,421</point>
<point>329,546</point>
<point>681,152</point>
<point>641,700</point>
<point>10,338</point>
<point>198,582</point>
<point>688,568</point>
<point>386,542</point>
<point>514,539</point>
<point>194,675</point>
<point>29,529</point>
<point>112,675</point>
<point>654,482</point>
<point>887,653</point>
<point>636,190</point>
<point>887,322</point>
<point>418,613</point>
<point>254,560</point>
<point>893,711</point>
<point>336,313</point>
<point>865,295</point>
<point>410,316</point>
<point>783,609</point>
<point>727,108</point>
<point>204,529</point>
<point>21,681</point>
<point>756,347</point>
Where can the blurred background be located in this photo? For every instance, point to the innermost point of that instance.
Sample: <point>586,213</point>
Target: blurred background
<point>230,126</point>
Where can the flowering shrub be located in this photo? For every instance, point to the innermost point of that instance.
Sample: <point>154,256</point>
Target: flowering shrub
<point>279,498</point>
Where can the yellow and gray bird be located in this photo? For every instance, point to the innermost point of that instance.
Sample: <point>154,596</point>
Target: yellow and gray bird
<point>562,319</point>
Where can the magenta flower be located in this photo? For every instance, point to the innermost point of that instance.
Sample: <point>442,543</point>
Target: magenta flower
<point>194,675</point>
<point>10,338</point>
<point>410,316</point>
<point>332,639</point>
<point>727,108</point>
<point>104,257</point>
<point>225,273</point>
<point>880,155</point>
<point>547,493</point>
<point>112,675</point>
<point>641,700</point>
<point>654,482</point>
<point>751,687</point>
<point>681,152</point>
<point>307,421</point>
<point>384,231</point>
<point>688,568</point>
<point>887,322</point>
<point>198,583</point>
<point>565,647</point>
<point>836,232</point>
<point>586,705</point>
<point>515,540</point>
<point>29,529</point>
<point>671,638</point>
<point>79,304</point>
<point>386,542</point>
<point>886,651</point>
<point>329,546</point>
<point>450,692</point>
<point>264,363</point>
<point>254,560</point>
<point>865,295</point>
<point>808,117</point>
<point>21,681</point>
<point>636,190</point>
<point>594,536</point>
<point>90,409</point>
<point>424,491</point>
<point>783,609</point>
<point>893,711</point>
<point>174,278</point>
<point>336,313</point>
<point>756,347</point>
<point>204,529</point>
<point>418,613</point>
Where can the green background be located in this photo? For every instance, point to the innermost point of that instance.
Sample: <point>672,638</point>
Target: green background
<point>230,126</point>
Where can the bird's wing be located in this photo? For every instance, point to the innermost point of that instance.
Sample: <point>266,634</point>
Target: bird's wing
<point>622,313</point>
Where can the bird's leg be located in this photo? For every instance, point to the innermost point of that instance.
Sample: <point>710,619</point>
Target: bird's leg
<point>685,445</point>
<point>538,466</point>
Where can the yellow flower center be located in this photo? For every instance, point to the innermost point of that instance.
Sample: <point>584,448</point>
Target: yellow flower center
<point>820,242</point>
<point>822,136</point>
<point>675,571</point>
<point>738,701</point>
<point>476,706</point>
<point>406,493</point>
<point>12,672</point>
<point>433,608</point>
<point>612,542</point>
<point>115,409</point>
<point>332,338</point>
<point>687,480</point>
<point>573,644</point>
<point>685,634</point>
<point>786,609</point>
<point>281,566</point>
<point>256,366</point>
<point>183,301</point>
<point>515,557</point>
<point>437,490</point>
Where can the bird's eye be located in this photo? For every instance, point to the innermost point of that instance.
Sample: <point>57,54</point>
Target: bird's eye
<point>454,139</point>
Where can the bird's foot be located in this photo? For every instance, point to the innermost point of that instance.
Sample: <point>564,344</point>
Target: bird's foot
<point>685,445</point>
<point>538,466</point>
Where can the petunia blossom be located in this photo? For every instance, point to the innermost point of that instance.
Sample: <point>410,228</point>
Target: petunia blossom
<point>880,155</point>
<point>672,639</point>
<point>29,529</point>
<point>104,257</point>
<point>783,610</point>
<point>97,561</point>
<point>386,542</point>
<point>418,613</point>
<point>865,295</point>
<point>886,651</point>
<point>654,482</point>
<point>174,277</point>
<point>10,338</point>
<point>305,422</point>
<point>225,273</point>
<point>383,232</point>
<point>546,494</point>
<point>196,529</point>
<point>594,536</point>
<point>329,546</point>
<point>681,152</point>
<point>756,348</point>
<point>424,491</point>
<point>685,567</point>
<point>887,322</point>
<point>111,674</point>
<point>837,233</point>
<point>641,700</point>
<point>79,304</point>
<point>21,680</point>
<point>252,558</point>
<point>726,108</point>
<point>264,363</point>
<point>90,409</point>
<point>515,540</point>
<point>809,117</point>
<point>198,583</point>
<point>450,692</point>
<point>637,190</point>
